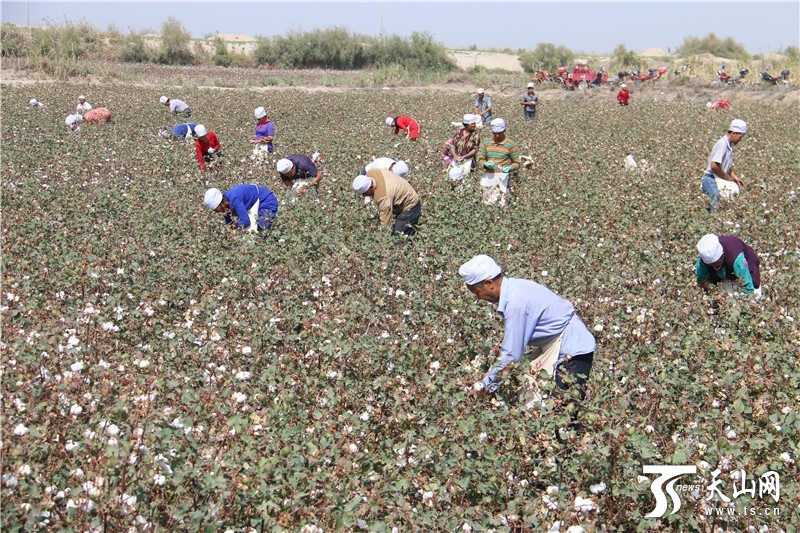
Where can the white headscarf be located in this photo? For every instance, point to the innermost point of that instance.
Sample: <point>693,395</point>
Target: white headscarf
<point>362,183</point>
<point>212,198</point>
<point>710,248</point>
<point>478,269</point>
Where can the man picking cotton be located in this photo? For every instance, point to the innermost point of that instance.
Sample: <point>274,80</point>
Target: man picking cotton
<point>247,206</point>
<point>533,316</point>
<point>719,171</point>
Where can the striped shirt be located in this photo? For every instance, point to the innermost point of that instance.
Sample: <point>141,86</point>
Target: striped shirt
<point>499,155</point>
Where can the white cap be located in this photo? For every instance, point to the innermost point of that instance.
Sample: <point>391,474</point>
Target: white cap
<point>33,102</point>
<point>213,198</point>
<point>362,183</point>
<point>284,166</point>
<point>400,168</point>
<point>469,118</point>
<point>81,97</point>
<point>624,85</point>
<point>498,125</point>
<point>479,268</point>
<point>163,99</point>
<point>531,85</point>
<point>710,248</point>
<point>389,121</point>
<point>738,126</point>
<point>456,174</point>
<point>260,112</point>
<point>200,130</point>
<point>480,90</point>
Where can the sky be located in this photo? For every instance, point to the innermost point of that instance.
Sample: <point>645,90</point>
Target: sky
<point>591,27</point>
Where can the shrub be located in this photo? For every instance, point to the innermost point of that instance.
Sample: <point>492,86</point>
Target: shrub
<point>711,44</point>
<point>134,50</point>
<point>546,56</point>
<point>175,44</point>
<point>622,58</point>
<point>222,57</point>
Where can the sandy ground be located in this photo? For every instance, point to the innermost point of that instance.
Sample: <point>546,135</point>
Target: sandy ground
<point>468,60</point>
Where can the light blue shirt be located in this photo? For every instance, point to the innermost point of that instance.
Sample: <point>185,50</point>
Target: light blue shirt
<point>533,316</point>
<point>722,153</point>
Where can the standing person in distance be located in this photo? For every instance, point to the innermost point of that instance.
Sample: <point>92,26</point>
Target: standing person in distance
<point>483,106</point>
<point>529,102</point>
<point>265,131</point>
<point>498,158</point>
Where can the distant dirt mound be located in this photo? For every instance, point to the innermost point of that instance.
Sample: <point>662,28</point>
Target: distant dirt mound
<point>653,52</point>
<point>487,60</point>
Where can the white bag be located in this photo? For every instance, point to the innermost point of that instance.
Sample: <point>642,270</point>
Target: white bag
<point>727,189</point>
<point>253,214</point>
<point>495,188</point>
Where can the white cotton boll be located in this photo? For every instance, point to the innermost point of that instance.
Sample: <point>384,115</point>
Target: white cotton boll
<point>650,429</point>
<point>545,273</point>
<point>73,341</point>
<point>435,365</point>
<point>598,327</point>
<point>102,364</point>
<point>364,416</point>
<point>24,471</point>
<point>70,446</point>
<point>385,335</point>
<point>112,430</point>
<point>159,479</point>
<point>144,363</point>
<point>556,527</point>
<point>786,457</point>
<point>731,434</point>
<point>584,505</point>
<point>128,500</point>
<point>243,375</point>
<point>75,409</point>
<point>575,529</point>
<point>352,448</point>
<point>482,437</point>
<point>247,350</point>
<point>77,367</point>
<point>239,397</point>
<point>599,488</point>
<point>332,374</point>
<point>399,294</point>
<point>20,430</point>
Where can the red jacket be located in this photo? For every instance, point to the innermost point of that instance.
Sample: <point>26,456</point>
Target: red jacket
<point>201,146</point>
<point>624,97</point>
<point>407,124</point>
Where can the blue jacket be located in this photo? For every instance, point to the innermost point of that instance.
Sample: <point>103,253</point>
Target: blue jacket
<point>182,130</point>
<point>243,197</point>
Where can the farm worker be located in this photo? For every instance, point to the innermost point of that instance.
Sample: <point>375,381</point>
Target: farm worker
<point>529,102</point>
<point>399,166</point>
<point>720,162</point>
<point>394,196</point>
<point>97,115</point>
<point>184,130</point>
<point>254,206</point>
<point>206,146</point>
<point>498,158</point>
<point>83,105</point>
<point>176,106</point>
<point>532,316</point>
<point>728,260</point>
<point>624,96</point>
<point>407,124</point>
<point>462,147</point>
<point>456,175</point>
<point>33,102</point>
<point>265,130</point>
<point>483,105</point>
<point>300,172</point>
<point>719,104</point>
<point>74,122</point>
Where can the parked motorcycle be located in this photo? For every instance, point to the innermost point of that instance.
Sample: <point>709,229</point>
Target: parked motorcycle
<point>767,78</point>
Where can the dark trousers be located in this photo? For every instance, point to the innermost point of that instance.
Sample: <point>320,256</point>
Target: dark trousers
<point>406,223</point>
<point>579,366</point>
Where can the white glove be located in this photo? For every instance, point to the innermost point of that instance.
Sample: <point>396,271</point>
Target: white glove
<point>211,151</point>
<point>757,292</point>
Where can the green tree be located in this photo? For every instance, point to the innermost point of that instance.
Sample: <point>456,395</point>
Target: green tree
<point>175,44</point>
<point>546,56</point>
<point>622,58</point>
<point>222,57</point>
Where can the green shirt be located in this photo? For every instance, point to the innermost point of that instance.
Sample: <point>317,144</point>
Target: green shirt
<point>492,155</point>
<point>740,270</point>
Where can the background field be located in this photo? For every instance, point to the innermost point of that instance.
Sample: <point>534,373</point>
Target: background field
<point>122,295</point>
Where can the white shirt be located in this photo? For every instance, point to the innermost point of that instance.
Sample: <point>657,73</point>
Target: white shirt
<point>722,153</point>
<point>84,107</point>
<point>178,106</point>
<point>383,163</point>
